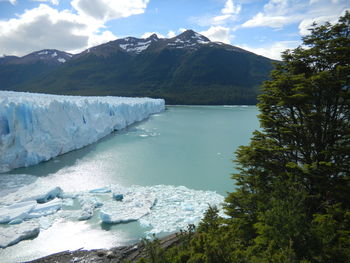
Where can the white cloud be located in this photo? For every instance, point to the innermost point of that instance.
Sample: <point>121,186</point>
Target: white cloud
<point>219,29</point>
<point>171,34</point>
<point>46,27</point>
<point>218,33</point>
<point>274,50</point>
<point>279,13</point>
<point>39,28</point>
<point>109,9</point>
<point>230,8</point>
<point>271,21</point>
<point>228,14</point>
<point>277,7</point>
<point>98,39</point>
<point>54,2</point>
<point>305,24</point>
<point>13,2</point>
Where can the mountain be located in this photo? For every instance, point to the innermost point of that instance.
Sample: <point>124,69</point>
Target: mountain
<point>186,69</point>
<point>17,70</point>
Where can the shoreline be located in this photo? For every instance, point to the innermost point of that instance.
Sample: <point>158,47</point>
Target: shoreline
<point>117,254</point>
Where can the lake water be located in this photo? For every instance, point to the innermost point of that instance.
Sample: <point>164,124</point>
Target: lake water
<point>191,146</point>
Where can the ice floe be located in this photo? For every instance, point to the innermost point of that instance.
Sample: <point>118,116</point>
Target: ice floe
<point>133,206</point>
<point>16,212</point>
<point>13,234</point>
<point>45,209</point>
<point>158,209</point>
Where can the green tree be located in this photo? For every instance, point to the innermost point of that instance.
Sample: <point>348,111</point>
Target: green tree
<point>298,166</point>
<point>292,201</point>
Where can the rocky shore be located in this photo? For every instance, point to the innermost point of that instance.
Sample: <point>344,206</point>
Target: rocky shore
<point>130,253</point>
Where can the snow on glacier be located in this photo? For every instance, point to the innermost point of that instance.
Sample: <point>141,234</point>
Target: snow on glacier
<point>38,127</point>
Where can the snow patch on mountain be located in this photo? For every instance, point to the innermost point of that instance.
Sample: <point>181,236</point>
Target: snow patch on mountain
<point>135,47</point>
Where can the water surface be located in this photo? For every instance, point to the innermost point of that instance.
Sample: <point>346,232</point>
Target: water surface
<point>185,145</point>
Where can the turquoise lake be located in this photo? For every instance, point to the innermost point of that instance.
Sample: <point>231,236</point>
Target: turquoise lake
<point>191,146</point>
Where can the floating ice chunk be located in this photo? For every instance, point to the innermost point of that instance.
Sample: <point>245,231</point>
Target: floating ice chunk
<point>88,205</point>
<point>68,202</point>
<point>51,194</point>
<point>45,222</point>
<point>32,192</point>
<point>159,208</point>
<point>11,235</point>
<point>118,197</point>
<point>86,214</point>
<point>15,221</point>
<point>177,207</point>
<point>133,206</point>
<point>18,211</point>
<point>187,207</point>
<point>45,209</point>
<point>64,195</point>
<point>100,190</point>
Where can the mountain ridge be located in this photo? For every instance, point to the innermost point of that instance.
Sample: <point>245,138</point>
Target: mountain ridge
<point>185,69</point>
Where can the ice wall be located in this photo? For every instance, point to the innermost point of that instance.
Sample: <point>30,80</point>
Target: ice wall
<point>38,127</point>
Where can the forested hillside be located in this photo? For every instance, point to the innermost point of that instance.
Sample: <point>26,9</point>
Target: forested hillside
<point>186,69</point>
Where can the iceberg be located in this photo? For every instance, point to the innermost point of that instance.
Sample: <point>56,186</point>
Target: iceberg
<point>88,205</point>
<point>51,194</point>
<point>11,235</point>
<point>16,212</point>
<point>32,192</point>
<point>132,207</point>
<point>45,209</point>
<point>159,209</point>
<point>37,127</point>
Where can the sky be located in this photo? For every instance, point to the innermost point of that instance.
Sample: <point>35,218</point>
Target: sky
<point>265,27</point>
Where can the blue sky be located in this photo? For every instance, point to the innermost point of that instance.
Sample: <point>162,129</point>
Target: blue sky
<point>264,27</point>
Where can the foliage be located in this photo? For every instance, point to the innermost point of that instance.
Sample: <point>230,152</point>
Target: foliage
<point>292,201</point>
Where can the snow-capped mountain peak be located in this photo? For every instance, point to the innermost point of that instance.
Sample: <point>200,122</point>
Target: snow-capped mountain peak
<point>191,36</point>
<point>47,56</point>
<point>188,39</point>
<point>135,45</point>
<point>51,56</point>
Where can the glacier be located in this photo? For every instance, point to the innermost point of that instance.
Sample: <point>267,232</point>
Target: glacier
<point>37,127</point>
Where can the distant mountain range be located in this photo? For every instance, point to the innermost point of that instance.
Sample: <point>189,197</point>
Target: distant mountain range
<point>186,69</point>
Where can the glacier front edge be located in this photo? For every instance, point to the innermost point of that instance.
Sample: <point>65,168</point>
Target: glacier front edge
<point>37,127</point>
